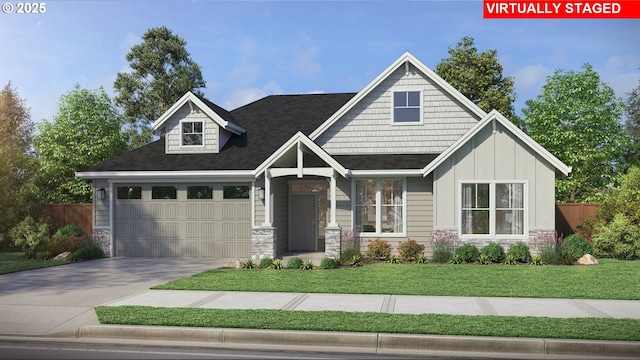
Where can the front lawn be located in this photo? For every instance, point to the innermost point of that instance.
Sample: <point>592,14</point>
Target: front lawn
<point>14,261</point>
<point>612,279</point>
<point>437,324</point>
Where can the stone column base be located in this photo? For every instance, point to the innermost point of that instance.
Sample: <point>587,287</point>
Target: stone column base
<point>263,243</point>
<point>332,240</point>
<point>103,238</point>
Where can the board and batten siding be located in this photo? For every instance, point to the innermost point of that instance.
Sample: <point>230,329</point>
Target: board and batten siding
<point>101,207</point>
<point>280,212</point>
<point>498,156</point>
<point>174,132</point>
<point>420,209</point>
<point>367,128</point>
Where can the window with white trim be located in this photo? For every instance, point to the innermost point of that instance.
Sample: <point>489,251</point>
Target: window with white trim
<point>406,107</point>
<point>192,134</point>
<point>492,208</point>
<point>379,205</point>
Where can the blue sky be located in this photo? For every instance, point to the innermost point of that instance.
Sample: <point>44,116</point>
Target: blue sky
<point>249,49</point>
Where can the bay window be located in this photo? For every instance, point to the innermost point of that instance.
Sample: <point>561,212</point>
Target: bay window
<point>492,208</point>
<point>379,205</point>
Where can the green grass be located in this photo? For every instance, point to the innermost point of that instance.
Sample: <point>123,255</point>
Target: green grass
<point>503,326</point>
<point>612,279</point>
<point>13,262</point>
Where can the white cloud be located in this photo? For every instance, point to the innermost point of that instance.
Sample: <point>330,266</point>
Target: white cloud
<point>303,62</point>
<point>245,95</point>
<point>622,74</point>
<point>530,78</point>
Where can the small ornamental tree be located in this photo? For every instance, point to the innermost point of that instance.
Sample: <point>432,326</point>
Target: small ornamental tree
<point>410,250</point>
<point>379,249</point>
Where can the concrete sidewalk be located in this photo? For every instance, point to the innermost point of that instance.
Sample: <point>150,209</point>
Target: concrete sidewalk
<point>397,304</point>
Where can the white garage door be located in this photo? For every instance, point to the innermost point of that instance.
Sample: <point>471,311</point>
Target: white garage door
<point>183,220</point>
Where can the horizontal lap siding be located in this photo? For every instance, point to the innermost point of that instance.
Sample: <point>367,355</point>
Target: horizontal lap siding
<point>367,128</point>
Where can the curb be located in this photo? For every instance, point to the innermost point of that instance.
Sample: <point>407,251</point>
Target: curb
<point>368,342</point>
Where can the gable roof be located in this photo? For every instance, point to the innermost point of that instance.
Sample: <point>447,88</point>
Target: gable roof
<point>494,115</point>
<point>269,123</point>
<point>300,138</point>
<point>404,59</point>
<point>220,116</point>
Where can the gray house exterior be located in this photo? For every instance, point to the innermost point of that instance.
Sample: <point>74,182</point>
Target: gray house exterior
<point>405,156</point>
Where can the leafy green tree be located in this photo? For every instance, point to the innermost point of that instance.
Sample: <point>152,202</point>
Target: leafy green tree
<point>632,126</point>
<point>577,118</point>
<point>162,71</point>
<point>85,132</point>
<point>478,76</point>
<point>17,163</point>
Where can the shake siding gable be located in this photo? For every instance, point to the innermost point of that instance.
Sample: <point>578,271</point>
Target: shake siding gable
<point>368,127</point>
<point>174,132</point>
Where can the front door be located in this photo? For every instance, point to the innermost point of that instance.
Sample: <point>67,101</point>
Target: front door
<point>303,222</point>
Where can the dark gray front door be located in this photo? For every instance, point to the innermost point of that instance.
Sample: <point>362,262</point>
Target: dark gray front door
<point>303,222</point>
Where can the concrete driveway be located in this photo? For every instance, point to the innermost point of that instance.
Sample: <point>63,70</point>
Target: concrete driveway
<point>61,298</point>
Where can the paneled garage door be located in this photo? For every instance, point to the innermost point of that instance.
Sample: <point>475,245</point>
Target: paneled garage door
<point>183,221</point>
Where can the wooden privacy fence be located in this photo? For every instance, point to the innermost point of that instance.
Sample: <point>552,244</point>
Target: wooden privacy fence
<point>569,216</point>
<point>76,214</point>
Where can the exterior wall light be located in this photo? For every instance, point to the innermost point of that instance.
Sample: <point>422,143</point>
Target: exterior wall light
<point>261,193</point>
<point>100,193</point>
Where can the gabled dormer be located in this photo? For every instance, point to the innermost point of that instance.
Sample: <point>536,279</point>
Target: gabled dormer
<point>407,109</point>
<point>196,125</point>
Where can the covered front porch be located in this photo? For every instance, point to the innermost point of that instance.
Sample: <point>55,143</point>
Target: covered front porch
<point>297,187</point>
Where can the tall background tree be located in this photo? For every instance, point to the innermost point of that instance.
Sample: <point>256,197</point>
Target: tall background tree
<point>86,131</point>
<point>161,72</point>
<point>478,76</point>
<point>577,118</point>
<point>17,163</point>
<point>632,126</point>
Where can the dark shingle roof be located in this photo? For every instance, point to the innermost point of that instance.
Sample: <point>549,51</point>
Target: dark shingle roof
<point>269,122</point>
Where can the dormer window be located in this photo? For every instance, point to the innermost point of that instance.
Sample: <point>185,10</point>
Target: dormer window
<point>192,133</point>
<point>407,107</point>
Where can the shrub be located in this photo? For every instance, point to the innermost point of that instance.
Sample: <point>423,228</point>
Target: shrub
<point>88,251</point>
<point>494,252</point>
<point>277,264</point>
<point>574,247</point>
<point>457,259</point>
<point>30,236</point>
<point>467,253</point>
<point>379,249</point>
<point>349,244</point>
<point>520,252</point>
<point>410,250</point>
<point>619,239</point>
<point>308,265</point>
<point>249,264</point>
<point>509,260</point>
<point>328,263</point>
<point>355,261</point>
<point>537,260</point>
<point>547,245</point>
<point>483,259</point>
<point>60,244</point>
<point>294,263</point>
<point>69,230</point>
<point>393,259</point>
<point>266,263</point>
<point>422,259</point>
<point>443,244</point>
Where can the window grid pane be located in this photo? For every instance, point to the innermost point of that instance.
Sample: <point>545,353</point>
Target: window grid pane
<point>199,192</point>
<point>510,209</point>
<point>366,205</point>
<point>192,133</point>
<point>406,106</point>
<point>475,209</point>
